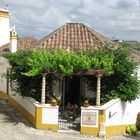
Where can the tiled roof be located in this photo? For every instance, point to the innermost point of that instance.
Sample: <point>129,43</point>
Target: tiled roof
<point>5,48</point>
<point>26,43</point>
<point>70,36</point>
<point>73,36</point>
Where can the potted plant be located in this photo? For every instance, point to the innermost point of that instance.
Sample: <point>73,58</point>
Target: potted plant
<point>71,108</point>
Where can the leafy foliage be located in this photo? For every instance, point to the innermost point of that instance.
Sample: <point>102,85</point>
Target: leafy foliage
<point>118,81</point>
<point>102,59</point>
<point>66,63</point>
<point>131,129</point>
<point>122,83</point>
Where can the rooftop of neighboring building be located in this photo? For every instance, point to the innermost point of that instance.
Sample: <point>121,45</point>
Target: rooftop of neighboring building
<point>24,43</point>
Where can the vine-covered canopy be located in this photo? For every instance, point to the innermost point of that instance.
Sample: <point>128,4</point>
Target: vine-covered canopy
<point>37,62</point>
<point>119,80</point>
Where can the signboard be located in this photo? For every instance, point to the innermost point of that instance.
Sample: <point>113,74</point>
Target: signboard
<point>89,118</point>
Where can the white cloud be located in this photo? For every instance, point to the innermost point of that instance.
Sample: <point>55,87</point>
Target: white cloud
<point>27,3</point>
<point>119,18</point>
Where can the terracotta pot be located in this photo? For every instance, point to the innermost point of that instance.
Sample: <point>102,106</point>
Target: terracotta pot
<point>54,102</point>
<point>86,104</point>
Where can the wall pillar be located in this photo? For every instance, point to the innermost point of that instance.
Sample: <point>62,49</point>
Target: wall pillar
<point>98,93</point>
<point>43,88</point>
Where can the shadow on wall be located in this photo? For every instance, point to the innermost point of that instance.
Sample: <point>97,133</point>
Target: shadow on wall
<point>4,65</point>
<point>123,107</point>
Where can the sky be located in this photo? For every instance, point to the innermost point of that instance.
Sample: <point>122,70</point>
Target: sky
<point>118,19</point>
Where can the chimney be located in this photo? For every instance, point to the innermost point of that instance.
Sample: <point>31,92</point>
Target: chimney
<point>13,40</point>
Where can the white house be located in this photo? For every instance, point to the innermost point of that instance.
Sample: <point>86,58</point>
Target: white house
<point>8,35</point>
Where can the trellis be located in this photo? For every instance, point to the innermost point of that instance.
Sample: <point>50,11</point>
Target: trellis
<point>91,72</point>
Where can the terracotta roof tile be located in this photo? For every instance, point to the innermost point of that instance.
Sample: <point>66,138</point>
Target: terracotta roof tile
<point>73,36</point>
<point>5,48</point>
<point>26,43</point>
<point>70,36</point>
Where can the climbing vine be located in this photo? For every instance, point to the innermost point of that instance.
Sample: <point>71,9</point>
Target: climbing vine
<point>118,81</point>
<point>67,63</point>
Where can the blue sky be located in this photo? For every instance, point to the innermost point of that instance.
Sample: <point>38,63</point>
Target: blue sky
<point>113,18</point>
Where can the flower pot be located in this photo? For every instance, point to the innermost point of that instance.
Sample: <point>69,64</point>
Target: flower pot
<point>86,104</point>
<point>54,102</point>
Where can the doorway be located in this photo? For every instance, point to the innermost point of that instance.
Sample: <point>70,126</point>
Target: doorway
<point>72,90</point>
<point>69,116</point>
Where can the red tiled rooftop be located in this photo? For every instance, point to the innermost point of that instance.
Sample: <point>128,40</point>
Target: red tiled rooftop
<point>70,36</point>
<point>74,36</point>
<point>26,43</point>
<point>5,48</point>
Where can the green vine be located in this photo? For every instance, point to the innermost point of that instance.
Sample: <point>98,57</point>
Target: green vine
<point>118,80</point>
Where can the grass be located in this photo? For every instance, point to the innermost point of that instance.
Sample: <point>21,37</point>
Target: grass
<point>131,44</point>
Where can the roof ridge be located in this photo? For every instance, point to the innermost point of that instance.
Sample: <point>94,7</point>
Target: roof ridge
<point>52,33</point>
<point>49,35</point>
<point>73,23</point>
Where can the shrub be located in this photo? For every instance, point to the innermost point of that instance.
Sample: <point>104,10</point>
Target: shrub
<point>131,129</point>
<point>138,121</point>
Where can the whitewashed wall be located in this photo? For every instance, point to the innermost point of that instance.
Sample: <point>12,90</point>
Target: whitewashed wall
<point>51,113</point>
<point>26,102</point>
<point>121,113</point>
<point>4,30</point>
<point>3,71</point>
<point>89,117</point>
<point>13,45</point>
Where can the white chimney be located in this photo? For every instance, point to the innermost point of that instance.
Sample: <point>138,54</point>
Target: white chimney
<point>13,40</point>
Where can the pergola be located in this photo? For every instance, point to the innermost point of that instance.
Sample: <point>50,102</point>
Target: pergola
<point>91,72</point>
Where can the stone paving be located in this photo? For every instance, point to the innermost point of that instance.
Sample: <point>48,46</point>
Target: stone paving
<point>13,126</point>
